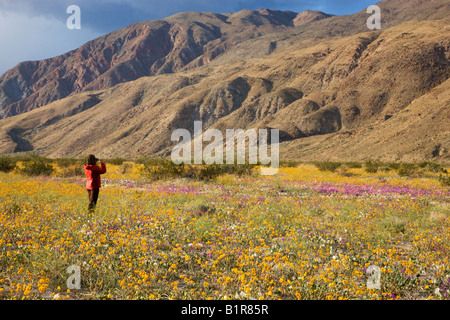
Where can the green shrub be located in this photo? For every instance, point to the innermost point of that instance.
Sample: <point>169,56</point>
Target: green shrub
<point>211,171</point>
<point>72,171</point>
<point>289,164</point>
<point>34,165</point>
<point>406,169</point>
<point>7,164</point>
<point>141,159</point>
<point>125,167</point>
<point>430,166</point>
<point>65,162</point>
<point>371,166</point>
<point>115,161</point>
<point>434,167</point>
<point>327,165</point>
<point>353,164</point>
<point>444,178</point>
<point>242,169</point>
<point>157,169</point>
<point>70,167</point>
<point>393,165</point>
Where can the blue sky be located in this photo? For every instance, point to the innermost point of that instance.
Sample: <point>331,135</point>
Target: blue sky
<point>36,29</point>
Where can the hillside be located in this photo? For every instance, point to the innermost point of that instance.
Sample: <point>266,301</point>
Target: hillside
<point>333,91</point>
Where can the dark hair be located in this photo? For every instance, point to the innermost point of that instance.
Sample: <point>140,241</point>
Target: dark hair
<point>91,159</point>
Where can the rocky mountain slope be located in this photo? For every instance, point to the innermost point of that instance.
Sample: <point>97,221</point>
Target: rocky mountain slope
<point>180,42</point>
<point>334,89</point>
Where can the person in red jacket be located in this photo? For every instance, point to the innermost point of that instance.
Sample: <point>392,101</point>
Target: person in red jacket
<point>93,182</point>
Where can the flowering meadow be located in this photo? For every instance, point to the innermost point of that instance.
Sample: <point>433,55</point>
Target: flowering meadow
<point>300,234</point>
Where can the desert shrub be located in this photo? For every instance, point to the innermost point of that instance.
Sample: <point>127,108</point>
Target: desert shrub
<point>34,165</point>
<point>157,169</point>
<point>353,164</point>
<point>327,165</point>
<point>125,167</point>
<point>213,170</point>
<point>65,162</point>
<point>191,171</point>
<point>141,159</point>
<point>423,164</point>
<point>343,171</point>
<point>289,164</point>
<point>242,169</point>
<point>430,166</point>
<point>7,164</point>
<point>72,171</point>
<point>70,167</point>
<point>371,166</point>
<point>115,161</point>
<point>406,170</point>
<point>393,165</point>
<point>444,178</point>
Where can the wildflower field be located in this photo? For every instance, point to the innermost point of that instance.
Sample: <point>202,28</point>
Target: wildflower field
<point>300,234</point>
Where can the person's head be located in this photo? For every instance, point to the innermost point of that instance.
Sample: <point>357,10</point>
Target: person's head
<point>91,159</point>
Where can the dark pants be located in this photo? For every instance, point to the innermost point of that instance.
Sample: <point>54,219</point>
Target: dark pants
<point>93,197</point>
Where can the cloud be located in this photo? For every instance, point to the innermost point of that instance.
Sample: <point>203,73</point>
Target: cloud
<point>36,38</point>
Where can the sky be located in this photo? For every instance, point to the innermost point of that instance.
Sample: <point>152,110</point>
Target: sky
<point>37,29</point>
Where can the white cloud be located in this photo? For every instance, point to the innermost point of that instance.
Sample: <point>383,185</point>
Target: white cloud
<point>34,38</point>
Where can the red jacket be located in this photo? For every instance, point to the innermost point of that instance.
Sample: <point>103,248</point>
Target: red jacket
<point>93,175</point>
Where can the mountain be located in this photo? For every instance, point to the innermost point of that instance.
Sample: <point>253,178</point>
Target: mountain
<point>183,41</point>
<point>309,16</point>
<point>334,89</point>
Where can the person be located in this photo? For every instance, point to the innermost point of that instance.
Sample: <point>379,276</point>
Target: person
<point>93,181</point>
